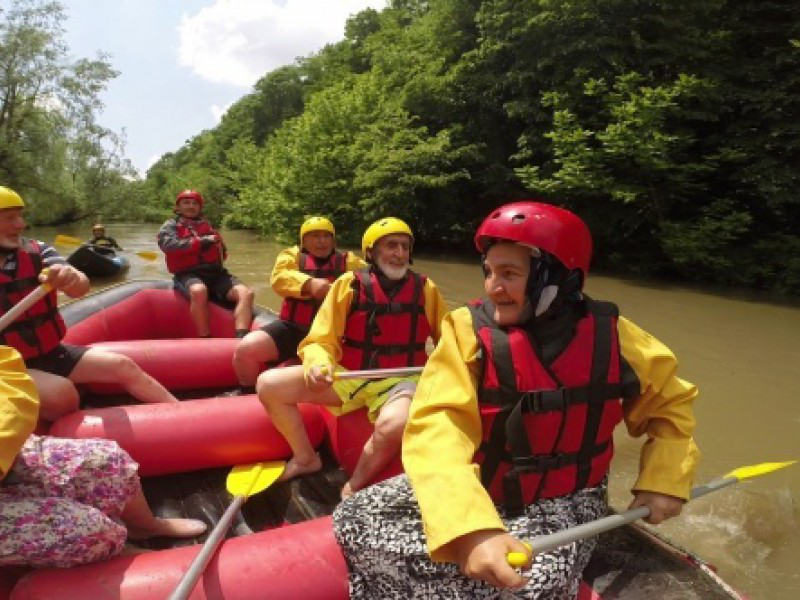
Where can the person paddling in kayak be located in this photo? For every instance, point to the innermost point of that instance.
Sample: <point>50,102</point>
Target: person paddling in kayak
<point>379,317</point>
<point>302,276</point>
<point>195,253</point>
<point>65,502</point>
<point>101,242</point>
<point>56,368</point>
<point>510,433</point>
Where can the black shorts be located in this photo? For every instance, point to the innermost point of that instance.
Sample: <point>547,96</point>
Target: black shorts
<point>219,283</point>
<point>287,336</point>
<point>61,360</point>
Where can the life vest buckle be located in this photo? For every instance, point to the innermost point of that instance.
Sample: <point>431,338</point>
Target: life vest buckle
<point>541,463</point>
<point>542,401</point>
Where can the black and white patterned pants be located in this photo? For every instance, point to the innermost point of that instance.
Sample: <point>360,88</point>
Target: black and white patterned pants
<point>380,532</point>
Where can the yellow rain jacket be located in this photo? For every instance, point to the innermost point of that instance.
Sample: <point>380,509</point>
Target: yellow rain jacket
<point>444,430</point>
<point>19,407</point>
<point>288,281</point>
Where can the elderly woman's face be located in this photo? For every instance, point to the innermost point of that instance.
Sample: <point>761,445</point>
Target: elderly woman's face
<point>506,268</point>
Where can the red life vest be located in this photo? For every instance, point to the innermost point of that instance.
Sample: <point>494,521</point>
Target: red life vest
<point>383,332</point>
<point>548,425</point>
<point>301,311</point>
<point>177,262</point>
<point>39,329</point>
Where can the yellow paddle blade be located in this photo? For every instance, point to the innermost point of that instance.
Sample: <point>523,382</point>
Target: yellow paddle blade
<point>67,240</point>
<point>756,470</point>
<point>147,255</point>
<point>246,480</point>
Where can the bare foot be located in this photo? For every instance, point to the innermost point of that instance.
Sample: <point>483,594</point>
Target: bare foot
<point>179,528</point>
<point>347,491</point>
<point>295,468</point>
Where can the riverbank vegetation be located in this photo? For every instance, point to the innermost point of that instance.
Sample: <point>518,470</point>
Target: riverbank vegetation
<point>672,127</point>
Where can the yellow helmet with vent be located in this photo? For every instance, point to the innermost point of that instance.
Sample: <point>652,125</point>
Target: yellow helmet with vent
<point>316,224</point>
<point>381,228</point>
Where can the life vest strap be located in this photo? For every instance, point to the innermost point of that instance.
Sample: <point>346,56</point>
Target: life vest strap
<point>562,398</point>
<point>387,349</point>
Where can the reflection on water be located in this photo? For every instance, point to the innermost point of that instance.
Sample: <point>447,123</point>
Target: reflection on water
<point>743,355</point>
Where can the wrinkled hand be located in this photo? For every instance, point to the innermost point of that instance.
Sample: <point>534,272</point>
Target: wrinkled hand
<point>61,277</point>
<point>483,554</point>
<point>319,378</point>
<point>662,507</point>
<point>318,288</point>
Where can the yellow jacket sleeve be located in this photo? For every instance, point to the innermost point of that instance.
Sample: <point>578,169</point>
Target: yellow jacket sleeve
<point>354,262</point>
<point>663,412</point>
<point>441,438</point>
<point>19,407</point>
<point>322,345</point>
<point>286,279</point>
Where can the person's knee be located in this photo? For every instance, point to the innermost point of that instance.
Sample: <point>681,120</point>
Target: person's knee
<point>390,425</point>
<point>252,346</point>
<point>124,369</point>
<point>245,294</point>
<point>198,293</point>
<point>60,397</point>
<point>266,384</point>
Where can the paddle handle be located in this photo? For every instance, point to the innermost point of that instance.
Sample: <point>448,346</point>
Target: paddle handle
<point>378,373</point>
<point>23,305</point>
<point>210,546</point>
<point>555,540</point>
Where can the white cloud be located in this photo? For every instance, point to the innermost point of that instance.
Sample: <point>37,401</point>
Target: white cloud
<point>218,111</point>
<point>238,41</point>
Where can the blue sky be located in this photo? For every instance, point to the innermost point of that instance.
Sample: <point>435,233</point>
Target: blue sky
<point>183,62</point>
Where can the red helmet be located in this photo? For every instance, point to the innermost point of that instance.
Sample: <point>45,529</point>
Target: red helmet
<point>193,194</point>
<point>550,228</point>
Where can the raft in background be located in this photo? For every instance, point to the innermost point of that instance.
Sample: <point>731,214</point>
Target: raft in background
<point>98,263</point>
<point>188,449</point>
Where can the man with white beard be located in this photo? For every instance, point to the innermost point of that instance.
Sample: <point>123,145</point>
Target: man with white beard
<point>377,318</point>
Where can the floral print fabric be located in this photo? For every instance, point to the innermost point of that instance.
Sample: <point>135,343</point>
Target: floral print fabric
<point>60,504</point>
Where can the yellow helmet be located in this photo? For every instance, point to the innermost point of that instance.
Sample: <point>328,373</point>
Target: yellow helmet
<point>381,228</point>
<point>9,198</point>
<point>99,226</point>
<point>316,224</point>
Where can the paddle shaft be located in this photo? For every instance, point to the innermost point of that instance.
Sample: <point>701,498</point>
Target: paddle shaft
<point>573,534</point>
<point>23,305</point>
<point>378,373</point>
<point>210,546</point>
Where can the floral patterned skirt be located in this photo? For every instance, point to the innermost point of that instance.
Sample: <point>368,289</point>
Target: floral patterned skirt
<point>60,504</point>
<point>380,532</point>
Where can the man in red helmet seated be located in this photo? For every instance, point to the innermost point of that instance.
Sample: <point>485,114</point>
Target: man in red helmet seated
<point>510,434</point>
<point>195,253</point>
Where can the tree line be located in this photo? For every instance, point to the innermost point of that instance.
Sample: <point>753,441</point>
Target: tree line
<point>670,126</point>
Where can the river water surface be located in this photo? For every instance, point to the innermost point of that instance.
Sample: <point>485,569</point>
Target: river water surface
<point>742,352</point>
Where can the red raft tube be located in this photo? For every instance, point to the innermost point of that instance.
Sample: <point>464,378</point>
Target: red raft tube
<point>282,547</point>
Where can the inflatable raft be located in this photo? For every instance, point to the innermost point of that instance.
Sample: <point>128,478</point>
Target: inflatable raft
<point>282,545</point>
<point>98,262</point>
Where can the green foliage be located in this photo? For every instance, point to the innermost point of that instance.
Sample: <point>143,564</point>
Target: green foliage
<point>51,149</point>
<point>354,155</point>
<point>669,125</point>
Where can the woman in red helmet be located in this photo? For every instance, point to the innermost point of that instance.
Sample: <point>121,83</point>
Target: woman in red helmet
<point>195,254</point>
<point>510,434</point>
